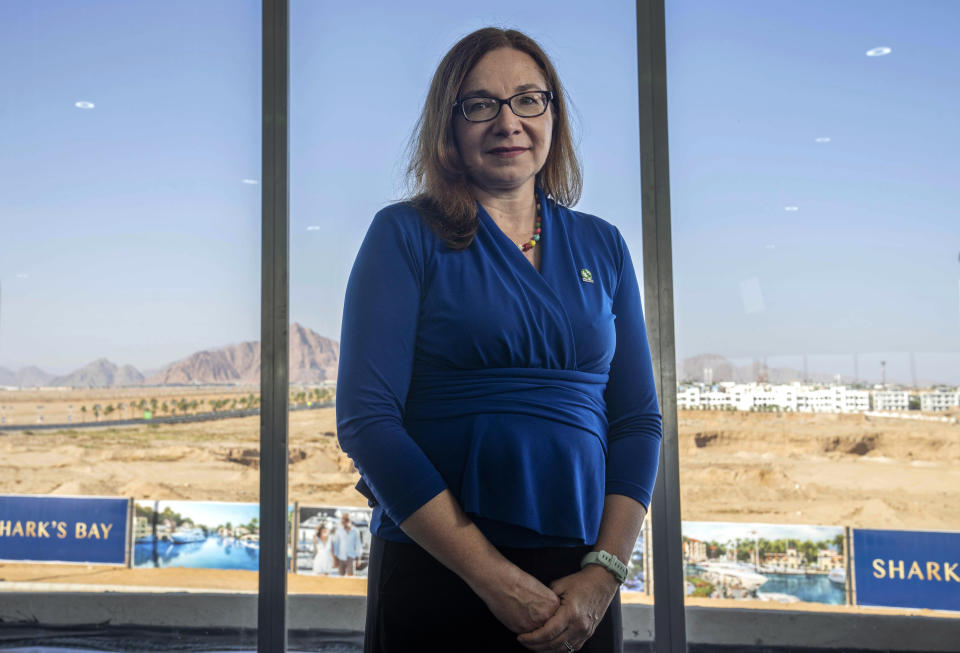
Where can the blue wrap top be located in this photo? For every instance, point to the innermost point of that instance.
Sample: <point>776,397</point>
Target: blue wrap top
<point>528,394</point>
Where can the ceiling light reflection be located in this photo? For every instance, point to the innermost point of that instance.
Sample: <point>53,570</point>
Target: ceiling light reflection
<point>791,208</point>
<point>879,52</point>
<point>822,139</point>
<point>252,182</point>
<point>82,104</point>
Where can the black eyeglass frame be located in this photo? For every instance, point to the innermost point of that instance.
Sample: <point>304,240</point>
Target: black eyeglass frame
<point>500,102</point>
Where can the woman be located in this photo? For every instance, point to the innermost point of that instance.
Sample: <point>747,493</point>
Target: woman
<point>322,550</point>
<point>495,388</point>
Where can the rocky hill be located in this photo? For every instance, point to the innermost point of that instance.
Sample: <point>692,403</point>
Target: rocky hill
<point>24,377</point>
<point>313,359</point>
<point>101,373</point>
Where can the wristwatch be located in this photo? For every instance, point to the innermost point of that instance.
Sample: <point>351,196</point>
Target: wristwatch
<point>608,561</point>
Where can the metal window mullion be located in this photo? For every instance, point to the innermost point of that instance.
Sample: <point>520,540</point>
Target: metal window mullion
<point>668,581</point>
<point>274,336</point>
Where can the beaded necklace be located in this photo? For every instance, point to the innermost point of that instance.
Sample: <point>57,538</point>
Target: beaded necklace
<point>530,244</point>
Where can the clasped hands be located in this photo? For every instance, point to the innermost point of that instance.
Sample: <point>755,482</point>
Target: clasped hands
<point>569,610</point>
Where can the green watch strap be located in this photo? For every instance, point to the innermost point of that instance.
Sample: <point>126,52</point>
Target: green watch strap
<point>608,561</point>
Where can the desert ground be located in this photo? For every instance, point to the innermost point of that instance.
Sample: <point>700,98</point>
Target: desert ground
<point>824,469</point>
<point>830,469</point>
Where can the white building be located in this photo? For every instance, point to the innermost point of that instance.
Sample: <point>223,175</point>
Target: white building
<point>821,400</point>
<point>891,400</point>
<point>688,397</point>
<point>939,400</point>
<point>805,398</point>
<point>856,401</point>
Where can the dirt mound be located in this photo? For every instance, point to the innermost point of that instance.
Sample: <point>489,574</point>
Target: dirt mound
<point>703,439</point>
<point>251,457</point>
<point>858,445</point>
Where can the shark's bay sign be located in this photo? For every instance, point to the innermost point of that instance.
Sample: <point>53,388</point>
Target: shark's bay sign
<point>910,569</point>
<point>63,529</point>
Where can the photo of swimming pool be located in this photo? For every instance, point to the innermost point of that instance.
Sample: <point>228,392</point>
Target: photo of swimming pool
<point>214,552</point>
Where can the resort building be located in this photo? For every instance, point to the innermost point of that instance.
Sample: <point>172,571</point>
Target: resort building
<point>890,400</point>
<point>794,397</point>
<point>939,400</point>
<point>142,527</point>
<point>828,559</point>
<point>794,559</point>
<point>789,561</point>
<point>688,397</point>
<point>694,550</point>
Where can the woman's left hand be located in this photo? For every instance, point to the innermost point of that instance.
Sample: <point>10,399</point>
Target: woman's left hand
<point>584,599</point>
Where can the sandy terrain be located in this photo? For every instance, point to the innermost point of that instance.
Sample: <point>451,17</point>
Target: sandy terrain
<point>847,470</point>
<point>60,406</point>
<point>214,461</point>
<point>842,470</point>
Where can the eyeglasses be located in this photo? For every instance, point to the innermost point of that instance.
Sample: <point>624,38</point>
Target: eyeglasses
<point>528,104</point>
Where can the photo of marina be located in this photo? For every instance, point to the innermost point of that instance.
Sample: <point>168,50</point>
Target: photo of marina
<point>766,562</point>
<point>197,534</point>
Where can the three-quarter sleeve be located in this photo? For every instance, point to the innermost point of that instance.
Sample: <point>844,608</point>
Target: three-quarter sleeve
<point>635,423</point>
<point>376,362</point>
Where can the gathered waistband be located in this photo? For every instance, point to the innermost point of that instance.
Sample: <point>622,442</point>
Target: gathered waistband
<point>570,397</point>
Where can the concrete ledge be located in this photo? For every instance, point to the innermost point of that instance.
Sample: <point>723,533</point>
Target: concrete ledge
<point>743,627</point>
<point>345,615</point>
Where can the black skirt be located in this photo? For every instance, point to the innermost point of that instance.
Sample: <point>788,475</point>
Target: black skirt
<point>415,604</point>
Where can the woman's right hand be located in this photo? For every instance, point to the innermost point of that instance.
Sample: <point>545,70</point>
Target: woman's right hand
<point>518,600</point>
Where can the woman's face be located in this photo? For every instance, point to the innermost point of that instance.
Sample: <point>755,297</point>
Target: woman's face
<point>324,531</point>
<point>507,152</point>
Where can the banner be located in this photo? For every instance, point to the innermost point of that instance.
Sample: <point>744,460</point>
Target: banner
<point>333,541</point>
<point>781,563</point>
<point>907,569</point>
<point>196,534</point>
<point>63,529</point>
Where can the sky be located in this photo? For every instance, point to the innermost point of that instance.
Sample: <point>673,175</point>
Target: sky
<point>812,204</point>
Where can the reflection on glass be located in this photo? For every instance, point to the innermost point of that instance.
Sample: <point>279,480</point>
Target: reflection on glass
<point>816,289</point>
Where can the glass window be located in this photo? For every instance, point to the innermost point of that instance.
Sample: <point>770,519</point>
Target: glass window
<point>816,267</point>
<point>359,79</point>
<point>129,282</point>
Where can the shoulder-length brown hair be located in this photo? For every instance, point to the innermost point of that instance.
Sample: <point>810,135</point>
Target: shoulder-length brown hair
<point>436,174</point>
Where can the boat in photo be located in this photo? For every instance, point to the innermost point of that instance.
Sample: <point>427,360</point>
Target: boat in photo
<point>838,576</point>
<point>187,535</point>
<point>732,574</point>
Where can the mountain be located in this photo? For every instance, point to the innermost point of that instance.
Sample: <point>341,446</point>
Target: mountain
<point>25,377</point>
<point>313,358</point>
<point>101,373</point>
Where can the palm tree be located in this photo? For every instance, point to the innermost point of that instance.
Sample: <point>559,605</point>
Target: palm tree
<point>83,411</point>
